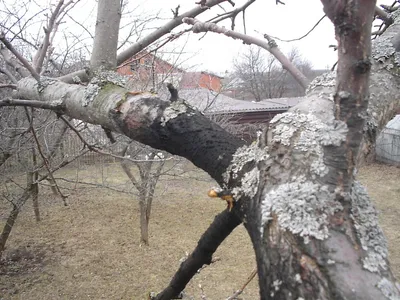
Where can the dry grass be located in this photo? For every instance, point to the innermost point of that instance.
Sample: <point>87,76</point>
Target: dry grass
<point>90,249</point>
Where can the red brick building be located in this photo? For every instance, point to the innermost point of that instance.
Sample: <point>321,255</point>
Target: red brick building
<point>149,70</point>
<point>195,80</point>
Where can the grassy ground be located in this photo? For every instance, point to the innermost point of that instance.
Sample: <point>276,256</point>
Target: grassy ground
<point>91,250</point>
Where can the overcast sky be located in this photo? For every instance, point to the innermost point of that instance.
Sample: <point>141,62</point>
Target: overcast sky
<point>216,52</point>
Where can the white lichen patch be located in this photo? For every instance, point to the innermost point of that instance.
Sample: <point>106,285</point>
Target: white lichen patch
<point>249,184</point>
<point>324,80</point>
<point>101,79</point>
<point>105,77</point>
<point>382,47</point>
<point>44,82</point>
<point>333,134</point>
<point>313,130</point>
<point>330,262</point>
<point>91,91</point>
<point>297,278</point>
<point>369,233</point>
<point>308,134</point>
<point>303,208</point>
<point>174,110</point>
<point>76,79</point>
<point>243,156</point>
<point>389,290</point>
<point>276,284</point>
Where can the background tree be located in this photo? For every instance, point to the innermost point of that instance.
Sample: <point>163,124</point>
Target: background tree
<point>258,75</point>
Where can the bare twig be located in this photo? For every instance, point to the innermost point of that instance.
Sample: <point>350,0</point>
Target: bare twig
<point>51,26</point>
<point>56,106</point>
<point>19,56</point>
<point>175,11</point>
<point>45,160</point>
<point>390,8</point>
<point>239,291</point>
<point>8,85</point>
<point>303,36</point>
<point>232,14</point>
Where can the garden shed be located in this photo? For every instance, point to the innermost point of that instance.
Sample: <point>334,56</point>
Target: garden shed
<point>388,143</point>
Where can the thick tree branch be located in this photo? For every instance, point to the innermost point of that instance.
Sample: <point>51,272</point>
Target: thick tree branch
<point>104,52</point>
<point>351,97</point>
<point>148,40</point>
<point>41,53</point>
<point>174,127</point>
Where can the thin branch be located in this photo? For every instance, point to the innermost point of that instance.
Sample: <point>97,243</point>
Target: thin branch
<point>385,17</point>
<point>45,160</point>
<point>232,14</point>
<point>41,53</point>
<point>57,106</point>
<point>271,46</point>
<point>8,85</point>
<point>240,291</point>
<point>303,36</point>
<point>19,56</point>
<point>10,76</point>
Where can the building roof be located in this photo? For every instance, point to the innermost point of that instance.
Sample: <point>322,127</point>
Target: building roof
<point>212,102</point>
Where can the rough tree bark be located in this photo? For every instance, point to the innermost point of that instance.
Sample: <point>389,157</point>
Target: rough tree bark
<point>314,229</point>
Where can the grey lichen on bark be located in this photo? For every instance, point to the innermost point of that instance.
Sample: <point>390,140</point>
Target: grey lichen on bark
<point>102,79</point>
<point>302,207</point>
<point>299,199</point>
<point>175,109</point>
<point>368,231</point>
<point>244,168</point>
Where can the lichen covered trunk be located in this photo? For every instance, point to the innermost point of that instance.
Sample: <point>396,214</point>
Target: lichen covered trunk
<point>314,229</point>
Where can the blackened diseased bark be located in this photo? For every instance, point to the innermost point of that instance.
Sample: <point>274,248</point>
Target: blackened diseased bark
<point>173,91</point>
<point>189,134</point>
<point>219,230</point>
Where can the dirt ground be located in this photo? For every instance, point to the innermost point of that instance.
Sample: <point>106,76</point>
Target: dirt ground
<point>91,250</point>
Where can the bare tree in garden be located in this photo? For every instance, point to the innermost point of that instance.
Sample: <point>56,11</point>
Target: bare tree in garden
<point>262,77</point>
<point>312,225</point>
<point>150,168</point>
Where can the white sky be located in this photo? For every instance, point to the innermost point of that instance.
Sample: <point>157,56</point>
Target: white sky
<point>216,52</point>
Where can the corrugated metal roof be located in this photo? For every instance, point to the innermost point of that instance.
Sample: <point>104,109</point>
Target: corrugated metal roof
<point>212,102</point>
